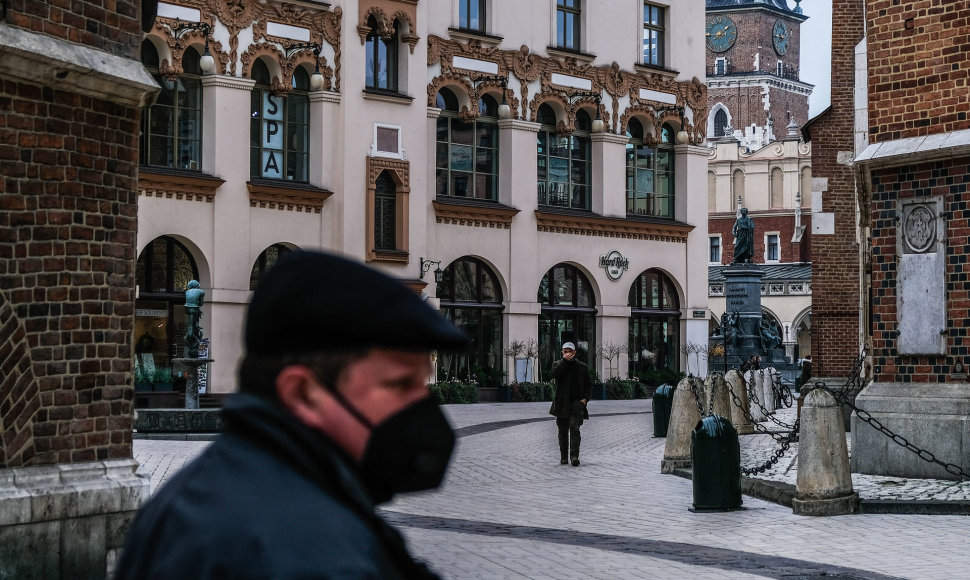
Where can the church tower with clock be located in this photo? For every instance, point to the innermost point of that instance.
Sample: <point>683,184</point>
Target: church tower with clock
<point>754,90</point>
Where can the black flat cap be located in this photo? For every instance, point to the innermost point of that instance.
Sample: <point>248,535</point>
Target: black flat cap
<point>311,301</point>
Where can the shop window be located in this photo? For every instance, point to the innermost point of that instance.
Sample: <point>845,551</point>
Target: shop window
<point>279,127</point>
<point>266,259</point>
<point>568,314</point>
<point>471,15</point>
<point>162,274</point>
<point>568,28</point>
<point>654,325</point>
<point>466,157</point>
<point>381,58</point>
<point>649,173</point>
<point>171,129</point>
<point>653,35</point>
<point>471,298</point>
<point>563,162</point>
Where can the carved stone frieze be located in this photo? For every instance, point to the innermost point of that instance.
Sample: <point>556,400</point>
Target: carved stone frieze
<point>389,16</point>
<point>528,67</point>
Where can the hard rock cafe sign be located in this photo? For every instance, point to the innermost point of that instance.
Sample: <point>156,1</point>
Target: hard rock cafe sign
<point>615,264</point>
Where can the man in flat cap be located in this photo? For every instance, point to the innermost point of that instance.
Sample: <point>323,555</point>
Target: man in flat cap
<point>333,417</point>
<point>573,389</point>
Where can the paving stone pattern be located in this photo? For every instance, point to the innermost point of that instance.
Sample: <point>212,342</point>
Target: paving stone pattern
<point>507,509</point>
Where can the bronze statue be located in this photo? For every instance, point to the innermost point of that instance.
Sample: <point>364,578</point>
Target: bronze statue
<point>743,231</point>
<point>194,297</point>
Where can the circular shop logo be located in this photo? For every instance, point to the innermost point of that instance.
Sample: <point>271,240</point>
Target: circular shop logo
<point>615,264</point>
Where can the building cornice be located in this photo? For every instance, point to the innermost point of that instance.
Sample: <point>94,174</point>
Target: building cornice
<point>228,82</point>
<point>480,215</point>
<point>283,195</point>
<point>611,227</point>
<point>177,184</point>
<point>758,80</point>
<point>916,149</point>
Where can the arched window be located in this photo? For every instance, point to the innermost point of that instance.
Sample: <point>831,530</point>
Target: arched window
<point>720,122</point>
<point>806,186</point>
<point>279,127</point>
<point>777,188</point>
<point>171,129</point>
<point>466,156</point>
<point>381,58</point>
<point>568,314</point>
<point>737,187</point>
<point>711,191</point>
<point>649,173</point>
<point>162,274</point>
<point>385,213</point>
<point>266,259</point>
<point>471,298</point>
<point>654,324</point>
<point>563,166</point>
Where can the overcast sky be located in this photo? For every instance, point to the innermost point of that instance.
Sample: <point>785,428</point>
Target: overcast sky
<point>816,52</point>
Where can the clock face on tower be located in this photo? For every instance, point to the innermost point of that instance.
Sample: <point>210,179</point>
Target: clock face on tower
<point>721,33</point>
<point>781,37</point>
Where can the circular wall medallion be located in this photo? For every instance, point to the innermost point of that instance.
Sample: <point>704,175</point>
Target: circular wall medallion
<point>919,231</point>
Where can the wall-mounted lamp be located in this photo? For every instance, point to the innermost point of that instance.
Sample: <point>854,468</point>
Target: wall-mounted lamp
<point>504,111</point>
<point>316,79</point>
<point>426,265</point>
<point>598,126</point>
<point>206,63</point>
<point>681,137</point>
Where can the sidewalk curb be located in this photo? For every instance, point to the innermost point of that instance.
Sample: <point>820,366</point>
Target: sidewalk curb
<point>773,491</point>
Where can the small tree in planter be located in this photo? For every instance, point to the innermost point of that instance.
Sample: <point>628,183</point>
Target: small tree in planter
<point>611,351</point>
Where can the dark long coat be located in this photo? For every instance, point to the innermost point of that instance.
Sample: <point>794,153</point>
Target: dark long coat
<point>572,384</point>
<point>270,498</point>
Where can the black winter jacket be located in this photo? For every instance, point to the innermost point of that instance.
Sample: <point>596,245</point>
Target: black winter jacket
<point>270,498</point>
<point>572,384</point>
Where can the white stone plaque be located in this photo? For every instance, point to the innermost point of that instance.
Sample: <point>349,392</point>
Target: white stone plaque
<point>921,295</point>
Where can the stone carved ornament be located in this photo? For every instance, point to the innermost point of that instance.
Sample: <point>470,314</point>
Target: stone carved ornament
<point>402,20</point>
<point>238,15</point>
<point>527,67</point>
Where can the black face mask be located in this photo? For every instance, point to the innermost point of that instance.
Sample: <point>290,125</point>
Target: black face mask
<point>408,451</point>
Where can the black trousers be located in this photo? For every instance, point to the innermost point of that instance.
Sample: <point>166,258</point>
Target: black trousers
<point>569,437</point>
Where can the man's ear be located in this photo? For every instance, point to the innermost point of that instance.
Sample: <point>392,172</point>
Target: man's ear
<point>300,392</point>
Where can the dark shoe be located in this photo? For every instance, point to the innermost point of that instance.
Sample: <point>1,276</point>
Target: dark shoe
<point>575,462</point>
<point>562,461</point>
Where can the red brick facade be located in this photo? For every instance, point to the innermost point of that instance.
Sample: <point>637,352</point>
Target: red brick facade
<point>918,68</point>
<point>835,257</point>
<point>69,167</point>
<point>783,223</point>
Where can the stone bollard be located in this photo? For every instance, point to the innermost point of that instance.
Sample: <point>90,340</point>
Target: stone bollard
<point>768,390</point>
<point>716,388</point>
<point>684,416</point>
<point>752,380</point>
<point>740,421</point>
<point>824,485</point>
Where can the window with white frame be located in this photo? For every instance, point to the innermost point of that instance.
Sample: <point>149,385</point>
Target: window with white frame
<point>720,66</point>
<point>715,252</point>
<point>653,34</point>
<point>568,16</point>
<point>772,250</point>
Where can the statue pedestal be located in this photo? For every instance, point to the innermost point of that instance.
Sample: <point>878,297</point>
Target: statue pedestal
<point>191,367</point>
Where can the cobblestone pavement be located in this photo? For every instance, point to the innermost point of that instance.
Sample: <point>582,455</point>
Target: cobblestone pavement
<point>507,509</point>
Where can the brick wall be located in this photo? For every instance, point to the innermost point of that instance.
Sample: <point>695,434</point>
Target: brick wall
<point>918,68</point>
<point>835,257</point>
<point>950,179</point>
<point>784,224</point>
<point>68,171</point>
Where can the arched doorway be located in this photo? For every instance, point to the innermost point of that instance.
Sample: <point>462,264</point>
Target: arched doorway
<point>568,314</point>
<point>654,325</point>
<point>471,298</point>
<point>162,274</point>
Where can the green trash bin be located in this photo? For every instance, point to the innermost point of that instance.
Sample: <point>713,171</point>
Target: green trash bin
<point>663,399</point>
<point>715,456</point>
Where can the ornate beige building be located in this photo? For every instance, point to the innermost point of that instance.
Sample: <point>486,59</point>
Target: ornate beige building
<point>533,168</point>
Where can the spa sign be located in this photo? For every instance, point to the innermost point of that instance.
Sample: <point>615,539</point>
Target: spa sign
<point>615,264</point>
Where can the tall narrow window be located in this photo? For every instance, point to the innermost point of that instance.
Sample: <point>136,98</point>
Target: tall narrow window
<point>471,298</point>
<point>720,122</point>
<point>563,162</point>
<point>649,173</point>
<point>777,187</point>
<point>568,13</point>
<point>471,15</point>
<point>171,129</point>
<point>653,35</point>
<point>381,58</point>
<point>568,314</point>
<point>385,213</point>
<point>654,324</point>
<point>771,248</point>
<point>466,157</point>
<point>715,249</point>
<point>279,127</point>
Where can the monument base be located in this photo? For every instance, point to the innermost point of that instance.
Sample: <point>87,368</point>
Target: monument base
<point>67,520</point>
<point>931,416</point>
